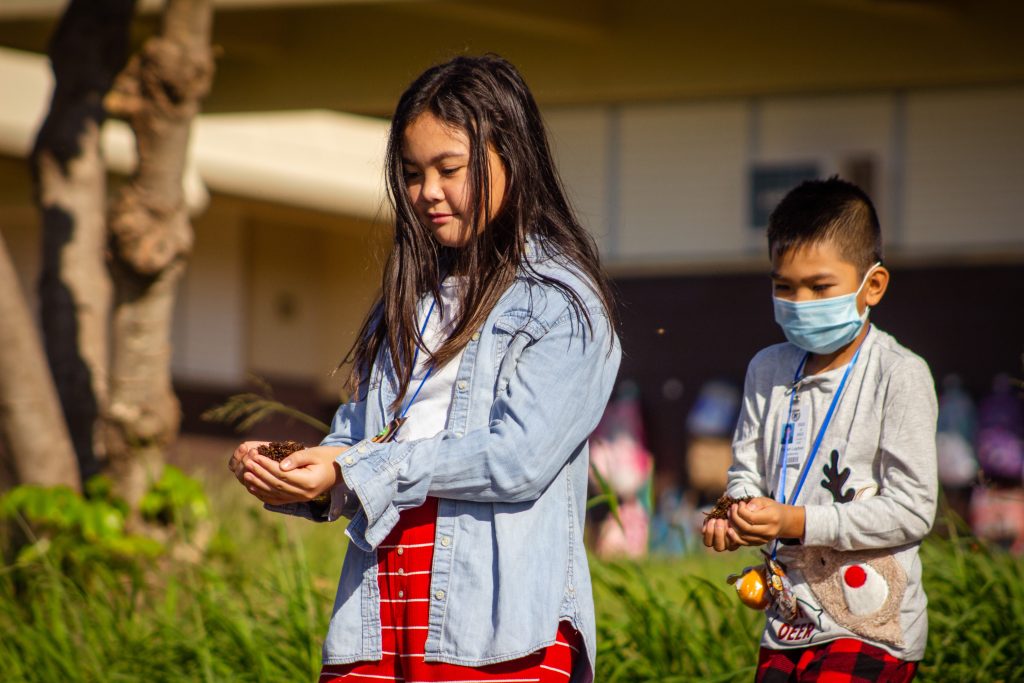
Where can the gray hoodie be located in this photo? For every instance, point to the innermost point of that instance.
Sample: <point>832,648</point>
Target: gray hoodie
<point>870,494</point>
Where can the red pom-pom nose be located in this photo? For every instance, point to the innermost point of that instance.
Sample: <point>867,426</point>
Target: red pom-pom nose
<point>855,576</point>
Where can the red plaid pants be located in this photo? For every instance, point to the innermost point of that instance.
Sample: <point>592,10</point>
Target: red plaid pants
<point>846,660</point>
<point>403,574</point>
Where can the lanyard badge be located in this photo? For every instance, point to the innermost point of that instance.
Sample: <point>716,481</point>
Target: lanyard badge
<point>387,435</point>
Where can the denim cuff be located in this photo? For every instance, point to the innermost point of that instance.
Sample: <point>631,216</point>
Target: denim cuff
<point>368,474</point>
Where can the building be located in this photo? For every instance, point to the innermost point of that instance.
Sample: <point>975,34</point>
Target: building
<point>677,125</point>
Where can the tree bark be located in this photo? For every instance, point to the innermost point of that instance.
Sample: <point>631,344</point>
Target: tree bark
<point>32,428</point>
<point>158,93</point>
<point>88,49</point>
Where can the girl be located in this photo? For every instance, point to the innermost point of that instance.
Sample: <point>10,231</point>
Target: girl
<point>480,374</point>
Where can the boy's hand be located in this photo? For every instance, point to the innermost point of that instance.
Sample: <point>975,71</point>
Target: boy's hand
<point>299,478</point>
<point>717,535</point>
<point>762,520</point>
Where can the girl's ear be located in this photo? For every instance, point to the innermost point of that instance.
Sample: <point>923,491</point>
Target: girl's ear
<point>874,288</point>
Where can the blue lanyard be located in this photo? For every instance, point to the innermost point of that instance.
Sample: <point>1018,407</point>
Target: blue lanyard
<point>416,356</point>
<point>787,431</point>
<point>780,494</point>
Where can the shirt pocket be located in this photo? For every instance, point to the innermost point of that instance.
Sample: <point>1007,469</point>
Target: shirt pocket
<point>513,332</point>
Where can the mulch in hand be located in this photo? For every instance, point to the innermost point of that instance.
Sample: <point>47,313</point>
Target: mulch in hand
<point>279,450</point>
<point>721,509</point>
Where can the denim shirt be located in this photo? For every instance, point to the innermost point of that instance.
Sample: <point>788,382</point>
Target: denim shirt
<point>510,471</point>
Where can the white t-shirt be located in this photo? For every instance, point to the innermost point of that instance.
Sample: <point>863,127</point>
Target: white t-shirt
<point>428,413</point>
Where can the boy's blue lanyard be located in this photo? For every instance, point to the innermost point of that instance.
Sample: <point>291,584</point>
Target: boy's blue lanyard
<point>787,434</point>
<point>415,356</point>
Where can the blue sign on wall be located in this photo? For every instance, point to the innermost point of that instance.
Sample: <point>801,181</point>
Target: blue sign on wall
<point>769,183</point>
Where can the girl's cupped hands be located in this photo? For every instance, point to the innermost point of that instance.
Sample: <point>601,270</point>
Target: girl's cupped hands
<point>299,478</point>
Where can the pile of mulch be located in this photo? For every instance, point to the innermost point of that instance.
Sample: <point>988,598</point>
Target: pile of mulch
<point>721,509</point>
<point>279,450</point>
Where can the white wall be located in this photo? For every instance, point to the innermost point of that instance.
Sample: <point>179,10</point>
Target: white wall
<point>209,317</point>
<point>965,169</point>
<point>274,291</point>
<point>309,289</point>
<point>670,183</point>
<point>682,179</point>
<point>285,301</point>
<point>828,131</point>
<point>352,263</point>
<point>656,183</point>
<point>580,140</point>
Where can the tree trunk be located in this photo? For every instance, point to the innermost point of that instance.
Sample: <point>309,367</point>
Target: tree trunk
<point>88,48</point>
<point>158,93</point>
<point>32,428</point>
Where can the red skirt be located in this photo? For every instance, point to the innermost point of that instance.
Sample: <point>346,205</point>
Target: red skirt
<point>404,560</point>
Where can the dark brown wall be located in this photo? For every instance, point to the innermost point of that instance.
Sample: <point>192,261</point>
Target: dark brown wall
<point>967,320</point>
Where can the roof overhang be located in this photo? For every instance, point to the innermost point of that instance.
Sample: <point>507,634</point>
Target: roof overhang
<point>320,159</point>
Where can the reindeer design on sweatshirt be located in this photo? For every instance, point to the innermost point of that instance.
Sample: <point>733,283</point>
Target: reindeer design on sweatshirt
<point>861,590</point>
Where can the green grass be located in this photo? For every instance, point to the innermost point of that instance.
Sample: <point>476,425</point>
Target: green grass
<point>673,621</point>
<point>257,607</point>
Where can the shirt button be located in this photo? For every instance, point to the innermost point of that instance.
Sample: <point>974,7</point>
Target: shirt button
<point>401,594</point>
<point>349,460</point>
<point>401,550</point>
<point>476,336</point>
<point>458,435</point>
<point>462,385</point>
<point>401,572</point>
<point>445,541</point>
<point>362,449</point>
<point>439,595</point>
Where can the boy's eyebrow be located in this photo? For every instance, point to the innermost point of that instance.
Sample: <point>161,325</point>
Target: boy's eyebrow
<point>775,275</point>
<point>437,157</point>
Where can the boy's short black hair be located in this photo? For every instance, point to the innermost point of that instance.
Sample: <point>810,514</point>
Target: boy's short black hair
<point>830,210</point>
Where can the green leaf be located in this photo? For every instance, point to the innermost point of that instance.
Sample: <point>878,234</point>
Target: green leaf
<point>607,495</point>
<point>248,409</point>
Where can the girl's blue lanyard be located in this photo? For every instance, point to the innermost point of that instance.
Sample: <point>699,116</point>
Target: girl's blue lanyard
<point>415,357</point>
<point>787,434</point>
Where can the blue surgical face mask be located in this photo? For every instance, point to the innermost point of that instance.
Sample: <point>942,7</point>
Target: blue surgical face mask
<point>823,325</point>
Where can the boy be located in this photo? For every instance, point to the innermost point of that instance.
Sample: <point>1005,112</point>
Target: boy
<point>835,446</point>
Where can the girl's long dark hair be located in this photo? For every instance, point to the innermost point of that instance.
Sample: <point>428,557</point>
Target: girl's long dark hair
<point>486,98</point>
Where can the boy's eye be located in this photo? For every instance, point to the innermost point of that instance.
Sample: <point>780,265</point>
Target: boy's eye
<point>821,287</point>
<point>780,287</point>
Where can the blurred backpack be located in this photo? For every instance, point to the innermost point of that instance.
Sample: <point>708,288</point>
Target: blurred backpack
<point>1000,432</point>
<point>715,411</point>
<point>958,466</point>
